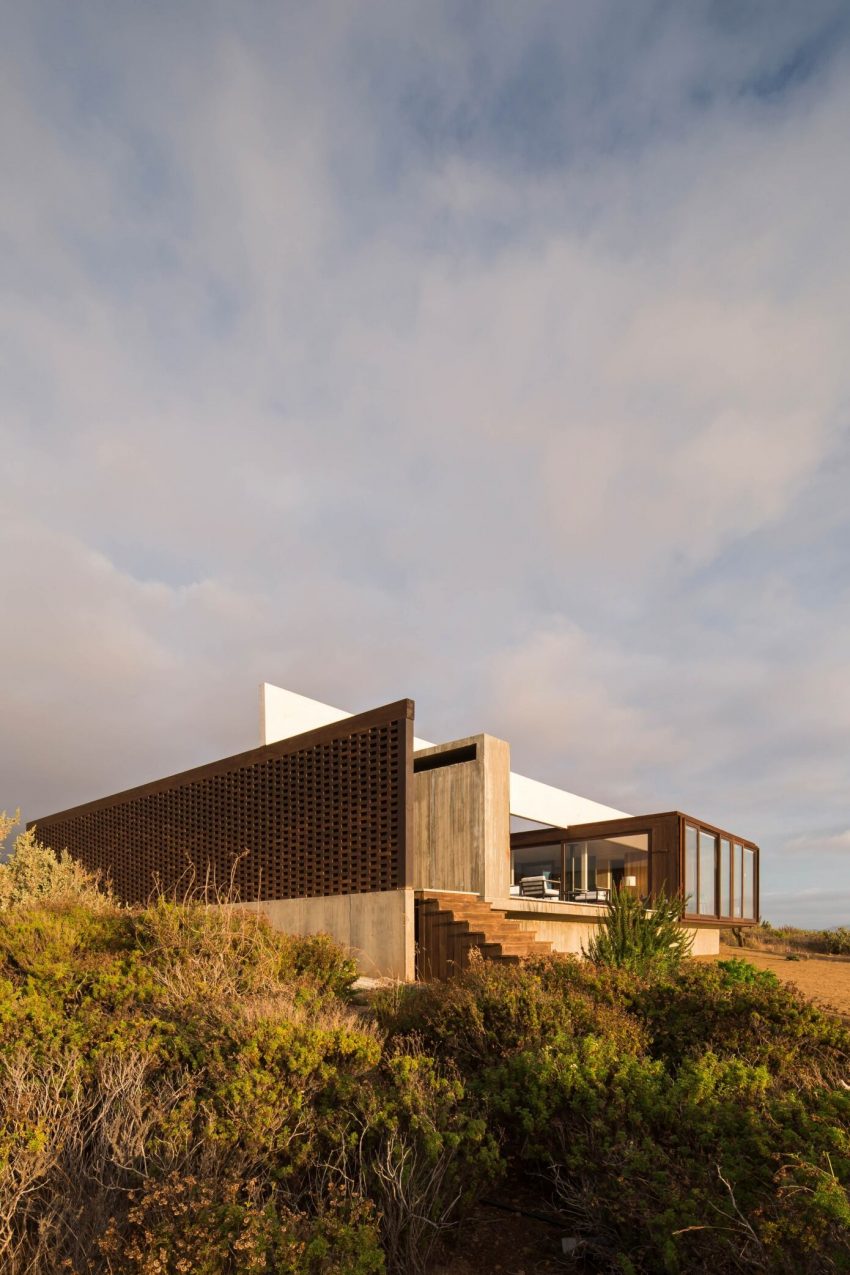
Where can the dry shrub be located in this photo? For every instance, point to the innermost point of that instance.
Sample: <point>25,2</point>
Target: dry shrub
<point>206,949</point>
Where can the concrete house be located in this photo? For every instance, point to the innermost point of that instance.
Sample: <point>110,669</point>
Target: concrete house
<point>406,851</point>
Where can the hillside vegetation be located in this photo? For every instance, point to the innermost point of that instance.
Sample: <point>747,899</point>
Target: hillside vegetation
<point>182,1089</point>
<point>790,938</point>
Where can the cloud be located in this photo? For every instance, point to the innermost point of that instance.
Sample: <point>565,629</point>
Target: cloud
<point>817,843</point>
<point>383,353</point>
<point>811,909</point>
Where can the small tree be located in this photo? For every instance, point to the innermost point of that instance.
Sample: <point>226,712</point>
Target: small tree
<point>641,939</point>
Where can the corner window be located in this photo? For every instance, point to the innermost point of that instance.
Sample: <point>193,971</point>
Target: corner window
<point>738,881</point>
<point>720,875</point>
<point>707,893</point>
<point>725,877</point>
<point>749,884</point>
<point>691,868</point>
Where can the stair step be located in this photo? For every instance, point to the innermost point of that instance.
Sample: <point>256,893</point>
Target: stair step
<point>454,924</point>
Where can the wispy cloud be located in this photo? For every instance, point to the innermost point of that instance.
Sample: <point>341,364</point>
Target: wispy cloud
<point>820,843</point>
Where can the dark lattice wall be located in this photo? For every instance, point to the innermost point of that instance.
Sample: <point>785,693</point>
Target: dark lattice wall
<point>322,814</point>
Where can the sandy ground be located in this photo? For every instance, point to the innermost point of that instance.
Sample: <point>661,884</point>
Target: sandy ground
<point>825,979</point>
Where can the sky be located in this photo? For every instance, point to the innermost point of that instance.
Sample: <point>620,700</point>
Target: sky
<point>493,355</point>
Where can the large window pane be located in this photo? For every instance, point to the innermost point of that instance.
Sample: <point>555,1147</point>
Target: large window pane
<point>537,861</point>
<point>738,882</point>
<point>690,868</point>
<point>749,884</point>
<point>725,877</point>
<point>596,868</point>
<point>707,884</point>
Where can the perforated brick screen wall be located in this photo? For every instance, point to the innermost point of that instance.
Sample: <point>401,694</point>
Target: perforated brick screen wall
<point>322,814</point>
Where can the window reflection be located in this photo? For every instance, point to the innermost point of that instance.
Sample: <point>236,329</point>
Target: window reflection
<point>725,877</point>
<point>707,893</point>
<point>719,875</point>
<point>749,884</point>
<point>691,868</point>
<point>595,868</point>
<point>535,862</point>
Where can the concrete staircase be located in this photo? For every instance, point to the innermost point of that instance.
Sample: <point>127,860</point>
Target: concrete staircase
<point>449,926</point>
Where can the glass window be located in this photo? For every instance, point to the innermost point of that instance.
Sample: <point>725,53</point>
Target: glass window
<point>707,884</point>
<point>536,861</point>
<point>690,868</point>
<point>749,884</point>
<point>574,864</point>
<point>596,868</point>
<point>738,882</point>
<point>725,877</point>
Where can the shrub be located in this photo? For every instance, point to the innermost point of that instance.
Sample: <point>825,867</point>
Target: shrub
<point>184,1089</point>
<point>178,1043</point>
<point>704,1169</point>
<point>492,1011</point>
<point>425,1154</point>
<point>640,939</point>
<point>202,948</point>
<point>737,970</point>
<point>180,1224</point>
<point>704,1008</point>
<point>32,873</point>
<point>689,1120</point>
<point>834,942</point>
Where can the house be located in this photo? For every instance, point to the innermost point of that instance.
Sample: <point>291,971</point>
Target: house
<point>401,849</point>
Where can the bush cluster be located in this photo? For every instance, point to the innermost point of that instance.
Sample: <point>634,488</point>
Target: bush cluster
<point>691,1120</point>
<point>183,1089</point>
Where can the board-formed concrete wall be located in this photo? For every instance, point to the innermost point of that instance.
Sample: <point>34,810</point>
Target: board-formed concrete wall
<point>461,819</point>
<point>378,928</point>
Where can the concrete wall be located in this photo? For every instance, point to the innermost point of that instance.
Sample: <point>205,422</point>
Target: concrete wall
<point>461,820</point>
<point>706,941</point>
<point>569,928</point>
<point>378,928</point>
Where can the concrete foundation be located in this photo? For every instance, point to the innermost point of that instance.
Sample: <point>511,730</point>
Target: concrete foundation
<point>569,927</point>
<point>377,928</point>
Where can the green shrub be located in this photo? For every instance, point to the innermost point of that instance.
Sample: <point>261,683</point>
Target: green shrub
<point>641,939</point>
<point>769,1023</point>
<point>705,1168</point>
<point>491,1011</point>
<point>32,874</point>
<point>182,1088</point>
<point>737,970</point>
<point>425,1152</point>
<point>690,1120</point>
<point>181,1042</point>
<point>179,1224</point>
<point>834,942</point>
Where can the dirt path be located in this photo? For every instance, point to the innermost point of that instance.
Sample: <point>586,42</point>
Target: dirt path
<point>826,981</point>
